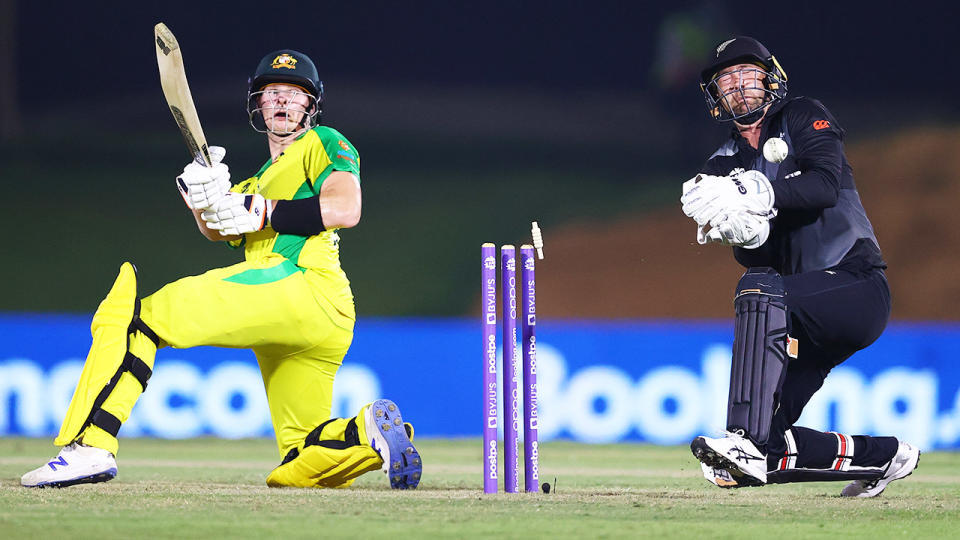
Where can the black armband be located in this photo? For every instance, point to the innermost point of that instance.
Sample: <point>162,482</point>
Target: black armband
<point>301,217</point>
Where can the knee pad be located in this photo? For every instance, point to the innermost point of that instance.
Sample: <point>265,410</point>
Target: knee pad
<point>760,354</point>
<point>118,366</point>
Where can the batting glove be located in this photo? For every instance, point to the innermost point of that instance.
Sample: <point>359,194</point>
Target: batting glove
<point>235,214</point>
<point>201,187</point>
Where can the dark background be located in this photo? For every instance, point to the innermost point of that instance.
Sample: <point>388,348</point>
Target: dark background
<point>78,50</point>
<point>472,119</point>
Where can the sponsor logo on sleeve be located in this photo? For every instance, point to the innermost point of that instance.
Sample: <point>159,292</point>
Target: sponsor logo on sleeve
<point>820,124</point>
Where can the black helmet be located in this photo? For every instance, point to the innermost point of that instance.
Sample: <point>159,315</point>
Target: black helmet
<point>289,67</point>
<point>742,50</point>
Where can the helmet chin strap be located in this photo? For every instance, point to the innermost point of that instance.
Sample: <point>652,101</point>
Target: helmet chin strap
<point>751,118</point>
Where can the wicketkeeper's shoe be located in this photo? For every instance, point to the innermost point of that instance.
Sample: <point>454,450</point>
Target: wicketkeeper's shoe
<point>390,439</point>
<point>719,477</point>
<point>75,464</point>
<point>737,455</point>
<point>902,465</point>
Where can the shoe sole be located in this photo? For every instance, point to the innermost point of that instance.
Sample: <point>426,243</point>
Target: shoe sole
<point>405,467</point>
<point>109,474</point>
<point>709,457</point>
<point>720,481</point>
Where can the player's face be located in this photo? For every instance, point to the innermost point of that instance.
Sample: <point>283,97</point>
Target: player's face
<point>283,107</point>
<point>741,88</point>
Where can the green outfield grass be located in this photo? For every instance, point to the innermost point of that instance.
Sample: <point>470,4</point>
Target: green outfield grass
<point>215,489</point>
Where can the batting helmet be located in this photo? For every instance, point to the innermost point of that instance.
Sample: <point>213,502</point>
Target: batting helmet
<point>289,67</point>
<point>742,50</point>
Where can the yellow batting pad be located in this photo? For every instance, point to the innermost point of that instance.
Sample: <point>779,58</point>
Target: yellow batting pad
<point>109,330</point>
<point>318,466</point>
<point>332,456</point>
<point>124,396</point>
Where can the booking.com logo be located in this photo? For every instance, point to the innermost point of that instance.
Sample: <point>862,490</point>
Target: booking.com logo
<point>665,404</point>
<point>182,400</point>
<point>672,404</point>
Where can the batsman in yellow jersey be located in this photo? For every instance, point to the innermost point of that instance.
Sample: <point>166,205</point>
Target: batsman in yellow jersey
<point>289,301</point>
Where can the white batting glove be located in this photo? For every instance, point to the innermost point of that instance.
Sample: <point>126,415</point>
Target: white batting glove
<point>201,187</point>
<point>707,198</point>
<point>235,214</point>
<point>740,228</point>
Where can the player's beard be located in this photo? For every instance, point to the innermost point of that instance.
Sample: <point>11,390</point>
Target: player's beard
<point>734,104</point>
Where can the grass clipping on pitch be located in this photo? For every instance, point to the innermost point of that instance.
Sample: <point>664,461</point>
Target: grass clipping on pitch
<point>214,488</point>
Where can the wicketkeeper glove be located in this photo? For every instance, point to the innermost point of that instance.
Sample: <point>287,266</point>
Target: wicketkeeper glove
<point>739,228</point>
<point>707,199</point>
<point>201,187</point>
<point>235,214</point>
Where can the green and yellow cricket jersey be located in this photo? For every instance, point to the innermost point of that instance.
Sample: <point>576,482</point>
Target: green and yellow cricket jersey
<point>296,174</point>
<point>289,302</point>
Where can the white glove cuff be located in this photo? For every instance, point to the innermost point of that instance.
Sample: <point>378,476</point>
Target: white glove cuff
<point>759,186</point>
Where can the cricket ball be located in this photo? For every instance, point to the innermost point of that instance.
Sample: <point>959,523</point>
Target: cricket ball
<point>775,150</point>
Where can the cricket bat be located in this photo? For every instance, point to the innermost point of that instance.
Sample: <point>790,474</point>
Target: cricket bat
<point>173,79</point>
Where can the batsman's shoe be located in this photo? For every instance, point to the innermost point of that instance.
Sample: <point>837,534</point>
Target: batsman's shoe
<point>901,466</point>
<point>734,454</point>
<point>388,436</point>
<point>75,464</point>
<point>719,477</point>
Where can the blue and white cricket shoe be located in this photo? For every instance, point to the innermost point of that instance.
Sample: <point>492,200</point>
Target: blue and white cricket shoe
<point>75,464</point>
<point>388,436</point>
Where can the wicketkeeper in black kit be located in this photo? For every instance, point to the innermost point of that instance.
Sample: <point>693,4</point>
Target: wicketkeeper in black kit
<point>780,191</point>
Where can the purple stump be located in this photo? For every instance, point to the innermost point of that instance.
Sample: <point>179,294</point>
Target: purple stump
<point>488,318</point>
<point>528,343</point>
<point>511,369</point>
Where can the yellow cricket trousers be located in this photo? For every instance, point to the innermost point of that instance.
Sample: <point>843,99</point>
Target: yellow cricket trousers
<point>271,307</point>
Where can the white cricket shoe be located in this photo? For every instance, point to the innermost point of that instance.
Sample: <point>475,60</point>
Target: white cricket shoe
<point>719,477</point>
<point>735,455</point>
<point>75,464</point>
<point>902,465</point>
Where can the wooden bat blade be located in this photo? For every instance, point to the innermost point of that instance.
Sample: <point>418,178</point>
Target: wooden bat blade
<point>173,79</point>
